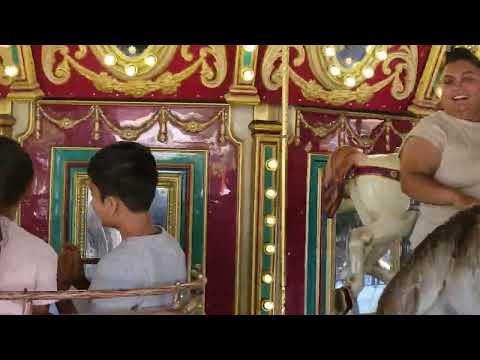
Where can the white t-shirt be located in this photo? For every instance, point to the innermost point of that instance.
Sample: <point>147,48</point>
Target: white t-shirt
<point>138,262</point>
<point>459,142</point>
<point>26,262</point>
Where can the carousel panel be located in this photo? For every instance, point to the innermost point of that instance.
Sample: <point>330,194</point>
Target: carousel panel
<point>199,164</point>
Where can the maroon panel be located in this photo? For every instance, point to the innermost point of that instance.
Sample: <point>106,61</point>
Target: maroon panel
<point>223,162</point>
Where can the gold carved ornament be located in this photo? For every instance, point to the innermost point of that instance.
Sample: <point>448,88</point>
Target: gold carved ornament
<point>147,79</point>
<point>344,128</point>
<point>328,88</point>
<point>131,133</point>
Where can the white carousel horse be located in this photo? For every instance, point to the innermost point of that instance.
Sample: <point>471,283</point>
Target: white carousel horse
<point>372,183</point>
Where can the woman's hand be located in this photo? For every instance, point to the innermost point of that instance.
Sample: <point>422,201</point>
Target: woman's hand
<point>462,201</point>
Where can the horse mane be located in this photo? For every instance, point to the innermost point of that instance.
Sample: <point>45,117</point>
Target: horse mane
<point>455,230</point>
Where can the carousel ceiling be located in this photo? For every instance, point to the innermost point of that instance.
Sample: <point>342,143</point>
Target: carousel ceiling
<point>386,78</point>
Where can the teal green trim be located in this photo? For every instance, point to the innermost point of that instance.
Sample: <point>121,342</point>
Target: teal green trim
<point>15,54</point>
<point>317,162</point>
<point>267,261</point>
<point>247,59</point>
<point>61,156</point>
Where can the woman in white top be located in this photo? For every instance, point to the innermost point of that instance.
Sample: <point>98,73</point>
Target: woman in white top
<point>440,159</point>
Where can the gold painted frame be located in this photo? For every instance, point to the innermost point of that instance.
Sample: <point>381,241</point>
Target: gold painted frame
<point>170,182</point>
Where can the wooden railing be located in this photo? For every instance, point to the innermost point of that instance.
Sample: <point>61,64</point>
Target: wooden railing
<point>188,298</point>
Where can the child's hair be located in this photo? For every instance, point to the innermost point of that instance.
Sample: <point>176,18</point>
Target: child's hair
<point>127,170</point>
<point>16,173</point>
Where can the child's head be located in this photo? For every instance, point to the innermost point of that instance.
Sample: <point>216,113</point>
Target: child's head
<point>123,180</point>
<point>16,174</point>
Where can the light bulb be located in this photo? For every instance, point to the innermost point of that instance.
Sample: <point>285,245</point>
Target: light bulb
<point>270,249</point>
<point>272,164</point>
<point>368,72</point>
<point>267,278</point>
<point>270,194</point>
<point>267,305</point>
<point>110,60</point>
<point>350,82</point>
<point>330,51</point>
<point>248,75</point>
<point>249,48</point>
<point>131,70</point>
<point>381,55</point>
<point>11,70</point>
<point>132,50</point>
<point>151,60</point>
<point>270,220</point>
<point>335,70</point>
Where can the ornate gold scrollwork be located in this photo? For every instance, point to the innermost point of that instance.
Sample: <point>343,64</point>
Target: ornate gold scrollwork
<point>131,133</point>
<point>329,88</point>
<point>147,78</point>
<point>345,129</point>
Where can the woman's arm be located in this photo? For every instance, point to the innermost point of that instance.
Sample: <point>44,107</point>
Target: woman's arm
<point>418,163</point>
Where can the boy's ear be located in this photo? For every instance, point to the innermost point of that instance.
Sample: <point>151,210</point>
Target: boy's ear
<point>112,204</point>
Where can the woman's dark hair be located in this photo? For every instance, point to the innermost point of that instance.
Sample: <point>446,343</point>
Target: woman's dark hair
<point>460,53</point>
<point>128,171</point>
<point>16,173</point>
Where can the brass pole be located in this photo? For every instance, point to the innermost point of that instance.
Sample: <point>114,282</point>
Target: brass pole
<point>283,180</point>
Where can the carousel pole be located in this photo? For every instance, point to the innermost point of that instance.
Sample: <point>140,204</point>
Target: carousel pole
<point>283,180</point>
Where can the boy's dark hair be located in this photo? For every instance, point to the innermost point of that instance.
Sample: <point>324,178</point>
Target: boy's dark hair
<point>126,170</point>
<point>460,53</point>
<point>16,172</point>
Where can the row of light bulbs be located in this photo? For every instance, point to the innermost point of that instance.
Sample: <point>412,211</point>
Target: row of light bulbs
<point>367,72</point>
<point>248,74</point>
<point>130,70</point>
<point>270,220</point>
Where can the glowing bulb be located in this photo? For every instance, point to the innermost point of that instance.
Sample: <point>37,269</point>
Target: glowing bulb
<point>272,164</point>
<point>350,82</point>
<point>330,51</point>
<point>151,60</point>
<point>438,91</point>
<point>267,278</point>
<point>132,50</point>
<point>368,72</point>
<point>4,46</point>
<point>335,70</point>
<point>349,61</point>
<point>267,305</point>
<point>131,70</point>
<point>369,48</point>
<point>381,55</point>
<point>270,249</point>
<point>249,48</point>
<point>270,194</point>
<point>270,220</point>
<point>11,70</point>
<point>248,75</point>
<point>110,60</point>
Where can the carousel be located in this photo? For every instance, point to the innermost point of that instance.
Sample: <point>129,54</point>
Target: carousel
<point>246,140</point>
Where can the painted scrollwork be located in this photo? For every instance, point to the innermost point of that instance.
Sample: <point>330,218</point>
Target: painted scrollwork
<point>148,77</point>
<point>399,66</point>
